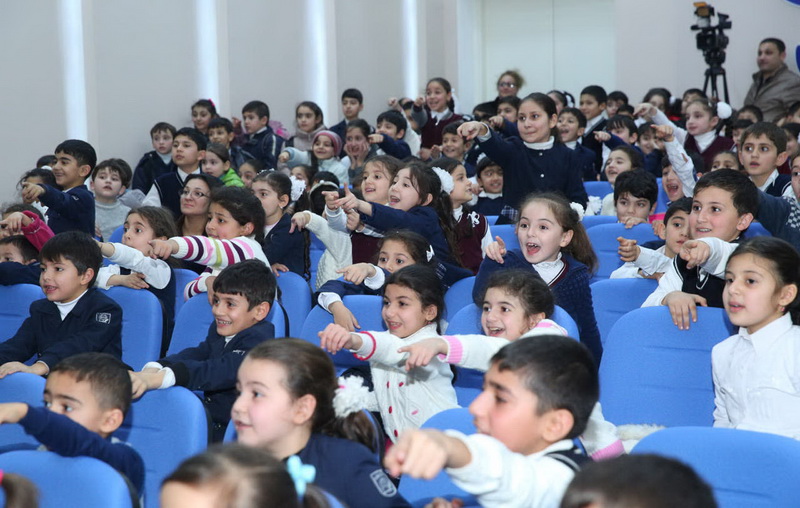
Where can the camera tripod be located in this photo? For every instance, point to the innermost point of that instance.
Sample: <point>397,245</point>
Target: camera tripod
<point>713,72</point>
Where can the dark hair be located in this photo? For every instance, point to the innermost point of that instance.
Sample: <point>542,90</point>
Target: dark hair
<point>45,160</point>
<point>622,122</point>
<point>733,154</point>
<point>638,183</point>
<point>548,105</point>
<point>208,105</point>
<point>251,279</point>
<point>25,247</point>
<point>243,206</point>
<point>784,264</point>
<point>662,92</point>
<point>577,114</point>
<point>646,129</point>
<point>565,98</point>
<point>211,181</point>
<point>78,248</point>
<point>256,164</point>
<point>683,204</point>
<point>317,199</point>
<point>596,91</point>
<point>533,292</point>
<point>195,135</point>
<point>744,192</point>
<point>163,127</point>
<point>640,481</point>
<point>483,164</point>
<point>23,207</point>
<point>310,371</point>
<point>484,110</point>
<point>426,182</point>
<point>82,151</point>
<point>417,246</point>
<point>326,176</point>
<point>118,166</point>
<point>45,174</point>
<point>260,108</point>
<point>695,91</point>
<point>353,93</point>
<point>625,108</point>
<point>559,370</point>
<point>452,128</point>
<point>360,124</point>
<point>391,164</point>
<point>742,123</point>
<point>244,476</point>
<point>511,100</point>
<point>107,375</point>
<point>219,150</point>
<point>752,109</point>
<point>519,81</point>
<point>777,42</point>
<point>793,108</point>
<point>579,247</point>
<point>617,95</point>
<point>792,129</point>
<point>314,109</point>
<point>423,281</point>
<point>393,117</point>
<point>447,88</point>
<point>160,220</point>
<point>634,155</point>
<point>221,123</point>
<point>19,491</point>
<point>768,129</point>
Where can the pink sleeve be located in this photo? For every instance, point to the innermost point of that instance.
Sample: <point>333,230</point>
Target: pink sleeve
<point>37,232</point>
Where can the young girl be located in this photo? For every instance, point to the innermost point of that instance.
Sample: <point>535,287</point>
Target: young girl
<point>284,246</point>
<point>310,121</point>
<point>621,159</point>
<point>217,163</point>
<point>416,202</point>
<point>534,161</point>
<point>203,111</point>
<point>235,229</point>
<point>725,160</point>
<point>434,112</point>
<point>134,268</point>
<point>658,97</point>
<point>287,407</point>
<point>322,157</point>
<point>516,305</point>
<point>413,303</point>
<point>396,250</point>
<point>555,245</point>
<point>358,149</point>
<point>472,229</point>
<point>249,170</point>
<point>756,381</point>
<point>562,99</point>
<point>240,476</point>
<point>303,173</point>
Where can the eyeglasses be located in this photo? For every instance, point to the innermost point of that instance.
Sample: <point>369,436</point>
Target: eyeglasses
<point>506,84</point>
<point>194,193</point>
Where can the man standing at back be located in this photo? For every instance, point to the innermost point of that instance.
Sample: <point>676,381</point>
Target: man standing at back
<point>774,86</point>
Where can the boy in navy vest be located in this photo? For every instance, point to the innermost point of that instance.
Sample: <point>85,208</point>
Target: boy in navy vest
<point>261,141</point>
<point>188,150</point>
<point>156,162</point>
<point>762,150</point>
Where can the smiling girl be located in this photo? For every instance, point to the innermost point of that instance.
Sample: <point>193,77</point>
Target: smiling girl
<point>323,155</point>
<point>434,112</point>
<point>309,120</point>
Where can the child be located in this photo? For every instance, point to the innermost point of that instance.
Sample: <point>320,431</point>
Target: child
<point>555,246</point>
<point>635,195</point>
<point>157,162</point>
<point>22,219</point>
<point>303,174</point>
<point>243,295</point>
<point>750,112</point>
<point>36,176</point>
<point>235,229</point>
<point>726,160</point>
<point>642,262</point>
<point>454,146</point>
<point>413,303</point>
<point>110,179</point>
<point>86,397</point>
<point>621,159</point>
<point>389,134</point>
<point>352,105</point>
<point>72,207</point>
<point>217,163</point>
<point>660,98</point>
<point>262,142</point>
<point>19,492</point>
<point>19,261</point>
<point>286,406</point>
<point>237,475</point>
<point>221,131</point>
<point>571,126</point>
<point>762,150</point>
<point>188,150</point>
<point>723,206</point>
<point>755,371</point>
<point>358,149</point>
<point>689,96</point>
<point>651,147</point>
<point>489,176</point>
<point>526,417</point>
<point>322,157</point>
<point>508,108</point>
<point>72,318</point>
<point>534,161</point>
<point>437,111</point>
<point>310,121</point>
<point>614,101</point>
<point>203,111</point>
<point>282,245</point>
<point>593,106</point>
<point>562,98</point>
<point>249,170</point>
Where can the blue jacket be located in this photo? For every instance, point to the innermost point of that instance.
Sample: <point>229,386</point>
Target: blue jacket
<point>16,273</point>
<point>395,147</point>
<point>286,248</point>
<point>570,291</point>
<point>592,144</point>
<point>150,167</point>
<point>264,146</point>
<point>349,471</point>
<point>239,157</point>
<point>586,158</point>
<point>70,439</point>
<point>212,365</point>
<point>93,325</point>
<point>781,217</point>
<point>71,210</point>
<point>489,206</point>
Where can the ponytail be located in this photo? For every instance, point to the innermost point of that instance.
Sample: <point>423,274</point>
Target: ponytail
<point>427,182</point>
<point>19,491</point>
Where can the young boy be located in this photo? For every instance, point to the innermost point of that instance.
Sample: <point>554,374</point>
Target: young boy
<point>73,317</point>
<point>571,126</point>
<point>73,207</point>
<point>188,150</point>
<point>261,142</point>
<point>650,148</point>
<point>157,162</point>
<point>723,206</point>
<point>635,195</point>
<point>352,105</point>
<point>389,135</point>
<point>593,106</point>
<point>762,149</point>
<point>454,146</point>
<point>110,179</point>
<point>526,417</point>
<point>648,261</point>
<point>615,100</point>
<point>220,131</point>
<point>85,400</point>
<point>19,261</point>
<point>243,295</point>
<point>490,178</point>
<point>622,159</point>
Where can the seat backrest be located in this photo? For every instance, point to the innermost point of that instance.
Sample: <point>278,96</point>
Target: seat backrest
<point>116,236</point>
<point>165,427</point>
<point>756,229</point>
<point>590,221</point>
<point>605,244</point>
<point>507,233</point>
<point>654,373</point>
<point>296,299</point>
<point>599,189</point>
<point>70,481</point>
<point>141,325</point>
<point>458,296</point>
<point>746,469</point>
<point>20,387</point>
<point>16,301</point>
<point>613,298</point>
<point>182,278</point>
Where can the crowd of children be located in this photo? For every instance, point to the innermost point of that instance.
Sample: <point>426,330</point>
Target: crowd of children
<point>404,210</point>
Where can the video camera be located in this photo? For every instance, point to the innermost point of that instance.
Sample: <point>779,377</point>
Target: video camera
<point>711,40</point>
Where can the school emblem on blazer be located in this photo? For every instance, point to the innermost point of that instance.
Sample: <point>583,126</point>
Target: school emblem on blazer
<point>382,483</point>
<point>103,317</point>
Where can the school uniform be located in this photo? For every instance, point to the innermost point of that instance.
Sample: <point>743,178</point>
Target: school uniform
<point>395,147</point>
<point>709,151</point>
<point>341,130</point>
<point>334,290</point>
<point>151,166</point>
<point>239,156</point>
<point>432,124</point>
<point>16,273</point>
<point>473,233</point>
<point>778,185</point>
<point>167,190</point>
<point>586,158</point>
<point>588,140</point>
<point>265,146</point>
<point>69,210</point>
<point>489,204</point>
<point>286,248</point>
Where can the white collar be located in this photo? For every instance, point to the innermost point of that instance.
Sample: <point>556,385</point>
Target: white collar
<point>764,339</point>
<point>772,177</point>
<point>546,145</point>
<point>183,175</point>
<point>594,121</point>
<point>66,308</point>
<point>490,195</point>
<point>458,212</point>
<point>571,144</point>
<point>550,270</point>
<point>704,140</point>
<point>440,115</point>
<point>167,157</point>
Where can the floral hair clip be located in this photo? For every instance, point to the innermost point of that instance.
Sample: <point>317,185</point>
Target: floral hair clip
<point>298,186</point>
<point>447,181</point>
<point>302,474</point>
<point>578,209</point>
<point>351,396</point>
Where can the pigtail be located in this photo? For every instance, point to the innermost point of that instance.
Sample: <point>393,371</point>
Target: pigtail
<point>581,247</point>
<point>444,210</point>
<point>349,419</point>
<point>19,491</point>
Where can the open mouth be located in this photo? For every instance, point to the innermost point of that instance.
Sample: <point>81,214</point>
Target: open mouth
<point>532,248</point>
<point>495,331</point>
<point>393,200</point>
<point>672,188</point>
<point>702,231</point>
<point>735,307</point>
